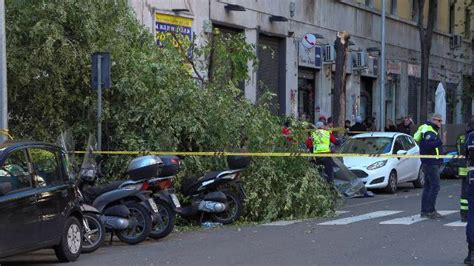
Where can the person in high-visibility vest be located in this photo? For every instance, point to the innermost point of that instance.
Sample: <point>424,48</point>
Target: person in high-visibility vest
<point>469,153</point>
<point>462,173</point>
<point>322,139</point>
<point>430,144</point>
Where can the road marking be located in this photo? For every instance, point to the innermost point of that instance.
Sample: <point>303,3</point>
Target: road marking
<point>281,223</point>
<point>413,219</point>
<point>359,218</point>
<point>457,223</point>
<point>341,212</point>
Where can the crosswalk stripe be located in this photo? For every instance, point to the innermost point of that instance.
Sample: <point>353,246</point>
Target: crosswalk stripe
<point>358,218</point>
<point>457,223</point>
<point>412,219</point>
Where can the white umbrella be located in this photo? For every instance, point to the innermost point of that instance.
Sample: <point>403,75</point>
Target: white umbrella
<point>440,101</point>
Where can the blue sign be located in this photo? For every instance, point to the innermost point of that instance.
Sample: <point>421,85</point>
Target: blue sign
<point>318,62</point>
<point>104,59</point>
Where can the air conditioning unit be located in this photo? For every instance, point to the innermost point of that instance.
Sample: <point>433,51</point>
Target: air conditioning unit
<point>361,60</point>
<point>455,41</point>
<point>329,53</point>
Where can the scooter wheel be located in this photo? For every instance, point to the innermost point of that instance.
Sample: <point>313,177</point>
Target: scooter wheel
<point>163,224</point>
<point>93,232</point>
<point>140,225</point>
<point>233,209</point>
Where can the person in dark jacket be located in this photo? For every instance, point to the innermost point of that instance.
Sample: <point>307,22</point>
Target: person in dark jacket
<point>390,127</point>
<point>430,144</point>
<point>406,126</point>
<point>358,126</point>
<point>469,153</point>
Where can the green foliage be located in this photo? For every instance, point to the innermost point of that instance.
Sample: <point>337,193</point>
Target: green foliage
<point>155,103</point>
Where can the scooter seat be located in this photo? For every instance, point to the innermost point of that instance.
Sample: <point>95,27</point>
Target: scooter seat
<point>191,184</point>
<point>92,193</point>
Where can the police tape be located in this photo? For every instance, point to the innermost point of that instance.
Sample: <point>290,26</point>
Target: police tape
<point>275,154</point>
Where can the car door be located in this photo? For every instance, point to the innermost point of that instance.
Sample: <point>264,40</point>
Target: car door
<point>413,163</point>
<point>20,222</point>
<point>52,190</point>
<point>402,163</point>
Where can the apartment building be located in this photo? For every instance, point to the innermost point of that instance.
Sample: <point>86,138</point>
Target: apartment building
<point>303,78</point>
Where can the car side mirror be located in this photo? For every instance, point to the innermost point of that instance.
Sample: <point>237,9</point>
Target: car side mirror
<point>401,152</point>
<point>5,188</point>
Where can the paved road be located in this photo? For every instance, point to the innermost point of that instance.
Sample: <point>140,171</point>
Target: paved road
<point>384,230</point>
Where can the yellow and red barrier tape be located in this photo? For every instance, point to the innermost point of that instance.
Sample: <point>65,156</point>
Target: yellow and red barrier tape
<point>273,154</point>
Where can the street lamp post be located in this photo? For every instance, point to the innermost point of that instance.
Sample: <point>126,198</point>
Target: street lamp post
<point>3,73</point>
<point>382,72</point>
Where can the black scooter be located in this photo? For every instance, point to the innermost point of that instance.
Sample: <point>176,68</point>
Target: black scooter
<point>218,193</point>
<point>124,211</point>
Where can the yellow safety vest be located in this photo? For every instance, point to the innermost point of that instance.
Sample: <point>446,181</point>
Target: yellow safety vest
<point>321,141</point>
<point>420,134</point>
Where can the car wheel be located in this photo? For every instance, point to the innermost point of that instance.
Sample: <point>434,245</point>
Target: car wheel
<point>70,246</point>
<point>392,183</point>
<point>420,181</point>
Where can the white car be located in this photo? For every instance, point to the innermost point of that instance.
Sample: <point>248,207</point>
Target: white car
<point>385,173</point>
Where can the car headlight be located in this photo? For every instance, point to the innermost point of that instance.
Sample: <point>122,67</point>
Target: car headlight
<point>377,165</point>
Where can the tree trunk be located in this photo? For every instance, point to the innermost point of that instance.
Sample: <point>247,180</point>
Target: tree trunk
<point>339,98</point>
<point>426,35</point>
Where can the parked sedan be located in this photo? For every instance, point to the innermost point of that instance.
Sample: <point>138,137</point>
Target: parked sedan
<point>384,173</point>
<point>38,203</point>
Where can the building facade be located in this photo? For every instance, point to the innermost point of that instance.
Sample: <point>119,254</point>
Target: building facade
<point>302,76</point>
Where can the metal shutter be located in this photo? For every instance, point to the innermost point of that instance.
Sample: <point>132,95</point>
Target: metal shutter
<point>269,70</point>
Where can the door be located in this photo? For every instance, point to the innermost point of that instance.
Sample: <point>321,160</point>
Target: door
<point>52,191</point>
<point>20,217</point>
<point>413,163</point>
<point>402,163</point>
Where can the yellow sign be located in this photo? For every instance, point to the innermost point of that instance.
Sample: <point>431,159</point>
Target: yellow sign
<point>167,25</point>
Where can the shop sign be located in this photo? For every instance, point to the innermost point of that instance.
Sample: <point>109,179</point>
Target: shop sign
<point>310,57</point>
<point>394,67</point>
<point>166,25</point>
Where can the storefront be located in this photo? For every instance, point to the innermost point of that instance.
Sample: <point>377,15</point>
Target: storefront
<point>414,86</point>
<point>309,63</point>
<point>392,90</point>
<point>368,79</point>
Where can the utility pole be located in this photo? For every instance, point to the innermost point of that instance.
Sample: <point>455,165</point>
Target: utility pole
<point>3,73</point>
<point>382,72</point>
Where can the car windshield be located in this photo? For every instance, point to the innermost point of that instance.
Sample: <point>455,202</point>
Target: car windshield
<point>371,145</point>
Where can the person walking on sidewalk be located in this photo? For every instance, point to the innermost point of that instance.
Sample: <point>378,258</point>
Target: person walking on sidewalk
<point>430,143</point>
<point>469,153</point>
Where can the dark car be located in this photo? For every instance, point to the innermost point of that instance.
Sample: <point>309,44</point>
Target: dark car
<point>38,203</point>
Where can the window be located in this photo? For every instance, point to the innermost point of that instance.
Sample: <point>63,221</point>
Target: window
<point>369,3</point>
<point>408,143</point>
<point>467,23</point>
<point>393,7</point>
<point>14,173</point>
<point>398,146</point>
<point>451,18</point>
<point>370,145</point>
<point>46,168</point>
<point>414,10</point>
